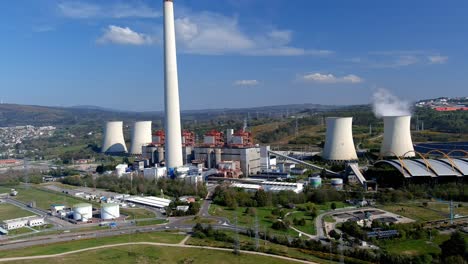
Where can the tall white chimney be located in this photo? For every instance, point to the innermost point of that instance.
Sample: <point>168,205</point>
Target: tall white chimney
<point>171,90</point>
<point>397,137</point>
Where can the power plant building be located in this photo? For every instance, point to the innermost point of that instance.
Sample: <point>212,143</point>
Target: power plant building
<point>141,136</point>
<point>339,144</point>
<point>113,140</point>
<point>397,137</point>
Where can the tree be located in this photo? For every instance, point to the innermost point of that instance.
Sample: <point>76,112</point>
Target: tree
<point>261,197</point>
<point>455,246</point>
<point>333,206</point>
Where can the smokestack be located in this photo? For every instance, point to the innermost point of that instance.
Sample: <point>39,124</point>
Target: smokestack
<point>141,135</point>
<point>171,90</point>
<point>113,141</point>
<point>397,137</point>
<point>339,144</point>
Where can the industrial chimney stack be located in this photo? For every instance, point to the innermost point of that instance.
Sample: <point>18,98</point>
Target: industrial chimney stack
<point>171,90</point>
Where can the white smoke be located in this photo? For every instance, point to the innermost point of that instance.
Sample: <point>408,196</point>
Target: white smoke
<point>386,104</point>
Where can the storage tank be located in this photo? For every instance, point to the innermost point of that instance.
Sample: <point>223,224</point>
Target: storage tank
<point>141,136</point>
<point>397,137</point>
<point>339,144</point>
<point>82,212</point>
<point>113,140</point>
<point>110,211</point>
<point>315,182</point>
<point>337,183</point>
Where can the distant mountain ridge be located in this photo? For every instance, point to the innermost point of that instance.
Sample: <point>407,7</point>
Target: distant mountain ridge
<point>15,114</point>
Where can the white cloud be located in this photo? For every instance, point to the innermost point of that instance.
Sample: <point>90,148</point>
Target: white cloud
<point>246,82</point>
<point>79,9</point>
<point>399,58</point>
<point>437,59</point>
<point>330,78</point>
<point>124,35</point>
<point>215,34</point>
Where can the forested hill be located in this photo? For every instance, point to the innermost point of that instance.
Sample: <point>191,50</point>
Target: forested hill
<point>15,115</point>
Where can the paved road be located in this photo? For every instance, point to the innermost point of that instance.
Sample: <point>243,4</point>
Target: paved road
<point>320,225</point>
<point>152,244</point>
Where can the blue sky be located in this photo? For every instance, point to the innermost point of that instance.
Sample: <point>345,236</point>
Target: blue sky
<point>231,53</point>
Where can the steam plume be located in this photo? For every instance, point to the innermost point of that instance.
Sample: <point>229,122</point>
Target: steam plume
<point>386,104</point>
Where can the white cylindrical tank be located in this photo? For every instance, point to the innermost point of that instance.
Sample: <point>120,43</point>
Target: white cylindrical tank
<point>110,211</point>
<point>141,136</point>
<point>339,144</point>
<point>82,212</point>
<point>397,137</point>
<point>171,92</point>
<point>315,182</point>
<point>113,140</point>
<point>336,181</point>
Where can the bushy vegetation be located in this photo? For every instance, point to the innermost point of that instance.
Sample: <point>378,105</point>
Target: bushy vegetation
<point>234,197</point>
<point>139,185</point>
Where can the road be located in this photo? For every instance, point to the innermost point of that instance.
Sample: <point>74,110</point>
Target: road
<point>319,223</point>
<point>152,244</point>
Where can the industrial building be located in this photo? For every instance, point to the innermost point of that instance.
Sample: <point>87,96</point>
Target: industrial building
<point>431,168</point>
<point>113,139</point>
<point>339,144</point>
<point>149,201</point>
<point>270,186</point>
<point>30,221</point>
<point>141,136</point>
<point>397,137</point>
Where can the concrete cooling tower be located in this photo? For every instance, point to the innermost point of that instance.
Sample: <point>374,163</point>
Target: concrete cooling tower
<point>113,141</point>
<point>141,135</point>
<point>339,144</point>
<point>397,137</point>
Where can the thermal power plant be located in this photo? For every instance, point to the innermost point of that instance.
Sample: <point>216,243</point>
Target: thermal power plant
<point>110,211</point>
<point>339,144</point>
<point>114,141</point>
<point>82,212</point>
<point>397,137</point>
<point>141,136</point>
<point>171,92</point>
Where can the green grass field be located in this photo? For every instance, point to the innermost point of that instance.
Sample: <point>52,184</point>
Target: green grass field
<point>137,213</point>
<point>158,254</point>
<point>163,237</point>
<point>44,198</point>
<point>8,211</point>
<point>415,212</point>
<point>309,227</point>
<point>416,247</point>
<point>265,219</point>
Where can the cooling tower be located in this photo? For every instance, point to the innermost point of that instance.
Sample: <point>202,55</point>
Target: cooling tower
<point>171,92</point>
<point>141,136</point>
<point>113,141</point>
<point>339,144</point>
<point>397,137</point>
